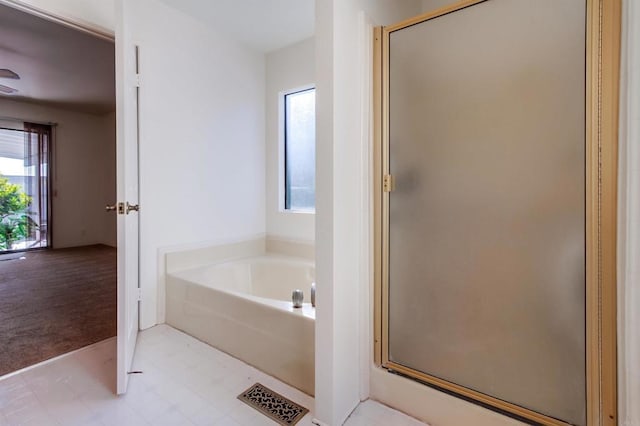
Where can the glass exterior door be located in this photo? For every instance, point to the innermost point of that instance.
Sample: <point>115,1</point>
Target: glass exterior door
<point>24,186</point>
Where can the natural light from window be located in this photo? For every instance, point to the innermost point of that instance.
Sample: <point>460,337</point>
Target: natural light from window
<point>300,150</point>
<point>24,187</point>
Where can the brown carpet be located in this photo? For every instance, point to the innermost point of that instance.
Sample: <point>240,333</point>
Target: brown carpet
<point>55,301</point>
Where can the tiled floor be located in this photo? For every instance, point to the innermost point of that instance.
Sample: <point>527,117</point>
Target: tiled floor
<point>185,382</point>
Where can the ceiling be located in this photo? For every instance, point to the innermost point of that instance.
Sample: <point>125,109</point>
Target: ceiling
<point>66,68</point>
<point>57,65</point>
<point>263,25</point>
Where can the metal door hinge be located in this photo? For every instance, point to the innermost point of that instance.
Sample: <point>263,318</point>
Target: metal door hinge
<point>137,79</point>
<point>388,184</point>
<point>139,294</point>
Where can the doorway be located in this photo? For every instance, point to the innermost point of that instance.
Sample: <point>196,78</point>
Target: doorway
<point>496,170</point>
<point>58,166</point>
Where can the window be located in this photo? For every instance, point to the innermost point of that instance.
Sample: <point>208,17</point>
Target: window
<point>300,150</point>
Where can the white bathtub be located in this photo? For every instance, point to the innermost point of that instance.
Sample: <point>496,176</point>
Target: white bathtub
<point>244,308</point>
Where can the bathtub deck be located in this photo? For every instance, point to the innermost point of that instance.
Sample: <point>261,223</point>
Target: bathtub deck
<point>185,382</point>
<point>266,333</point>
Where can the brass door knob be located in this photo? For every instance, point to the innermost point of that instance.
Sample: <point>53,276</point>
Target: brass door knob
<point>132,208</point>
<point>111,208</point>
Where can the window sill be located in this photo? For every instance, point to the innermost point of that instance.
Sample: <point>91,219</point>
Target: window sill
<point>304,212</point>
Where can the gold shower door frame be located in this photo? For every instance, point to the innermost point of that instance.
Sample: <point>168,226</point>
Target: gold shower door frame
<point>602,87</point>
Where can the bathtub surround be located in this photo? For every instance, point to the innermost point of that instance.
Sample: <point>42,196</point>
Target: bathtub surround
<point>291,247</point>
<point>190,256</point>
<point>187,256</point>
<point>181,257</point>
<point>243,307</point>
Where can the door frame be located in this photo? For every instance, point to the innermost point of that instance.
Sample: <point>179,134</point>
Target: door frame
<point>67,21</point>
<point>602,91</point>
<point>128,190</point>
<point>78,25</point>
<point>124,295</point>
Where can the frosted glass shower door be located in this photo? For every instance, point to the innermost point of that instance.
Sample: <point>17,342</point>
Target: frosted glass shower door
<point>486,223</point>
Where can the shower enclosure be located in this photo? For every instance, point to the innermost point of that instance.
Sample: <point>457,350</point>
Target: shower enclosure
<point>493,283</point>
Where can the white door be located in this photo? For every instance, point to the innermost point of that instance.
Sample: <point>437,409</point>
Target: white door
<point>127,171</point>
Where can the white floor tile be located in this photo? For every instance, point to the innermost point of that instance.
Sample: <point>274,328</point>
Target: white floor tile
<point>372,413</point>
<point>184,382</point>
<point>227,421</point>
<point>122,415</point>
<point>206,416</point>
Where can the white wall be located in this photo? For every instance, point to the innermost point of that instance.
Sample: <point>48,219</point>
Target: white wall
<point>202,147</point>
<point>629,221</point>
<point>83,177</point>
<point>288,68</point>
<point>342,211</point>
<point>326,411</point>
